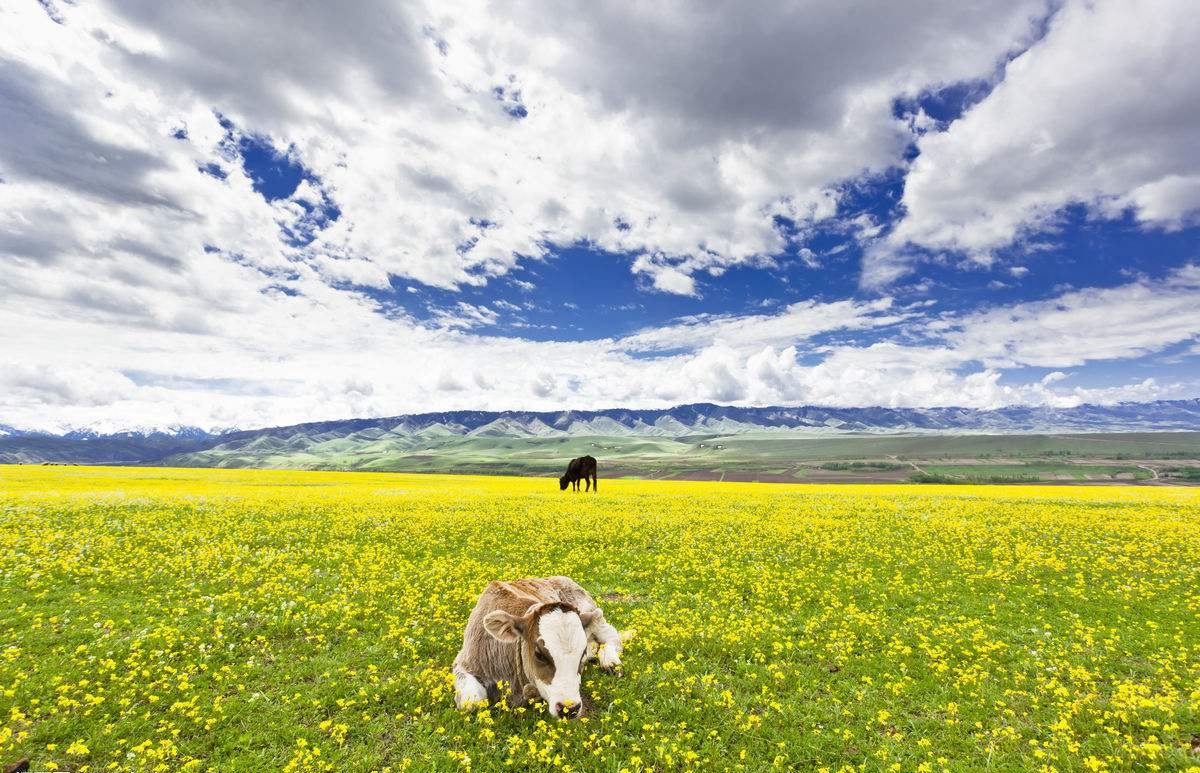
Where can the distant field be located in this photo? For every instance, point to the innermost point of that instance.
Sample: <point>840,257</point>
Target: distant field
<point>773,457</point>
<point>242,620</point>
<point>1040,471</point>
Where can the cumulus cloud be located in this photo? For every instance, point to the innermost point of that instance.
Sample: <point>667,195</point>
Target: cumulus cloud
<point>1094,324</point>
<point>323,353</point>
<point>464,316</point>
<point>666,276</point>
<point>408,119</point>
<point>798,321</point>
<point>1101,112</point>
<point>63,385</point>
<point>154,283</point>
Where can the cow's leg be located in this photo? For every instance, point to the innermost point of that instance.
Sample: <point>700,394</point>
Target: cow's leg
<point>608,641</point>
<point>469,692</point>
<point>587,484</point>
<point>595,483</point>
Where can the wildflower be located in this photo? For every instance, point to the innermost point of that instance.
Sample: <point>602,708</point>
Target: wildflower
<point>327,607</point>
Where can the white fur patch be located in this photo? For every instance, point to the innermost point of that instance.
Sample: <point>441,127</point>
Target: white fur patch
<point>609,656</point>
<point>564,639</point>
<point>469,692</point>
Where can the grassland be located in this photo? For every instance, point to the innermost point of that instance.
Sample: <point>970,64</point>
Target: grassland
<point>231,620</point>
<point>769,457</point>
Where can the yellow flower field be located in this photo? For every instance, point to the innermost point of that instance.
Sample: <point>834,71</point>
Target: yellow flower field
<point>163,620</point>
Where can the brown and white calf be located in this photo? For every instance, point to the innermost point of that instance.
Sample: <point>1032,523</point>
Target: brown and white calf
<point>535,635</point>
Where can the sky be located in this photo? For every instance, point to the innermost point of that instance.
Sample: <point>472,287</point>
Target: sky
<point>231,214</point>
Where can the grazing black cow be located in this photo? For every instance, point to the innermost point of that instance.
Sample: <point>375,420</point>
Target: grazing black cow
<point>582,468</point>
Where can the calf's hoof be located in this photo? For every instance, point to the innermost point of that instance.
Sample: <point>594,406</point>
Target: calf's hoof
<point>469,697</point>
<point>468,704</point>
<point>612,666</point>
<point>609,659</point>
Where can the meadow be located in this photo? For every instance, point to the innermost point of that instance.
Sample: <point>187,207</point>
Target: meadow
<point>782,457</point>
<point>243,620</point>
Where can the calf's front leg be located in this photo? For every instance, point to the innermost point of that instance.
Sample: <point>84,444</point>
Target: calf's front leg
<point>469,692</point>
<point>608,641</point>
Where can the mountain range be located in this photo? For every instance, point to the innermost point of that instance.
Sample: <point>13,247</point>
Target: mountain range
<point>374,443</point>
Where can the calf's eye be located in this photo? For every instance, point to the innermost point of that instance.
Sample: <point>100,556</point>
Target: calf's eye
<point>541,656</point>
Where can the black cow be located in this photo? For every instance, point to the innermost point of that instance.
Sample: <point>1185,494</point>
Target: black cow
<point>582,468</point>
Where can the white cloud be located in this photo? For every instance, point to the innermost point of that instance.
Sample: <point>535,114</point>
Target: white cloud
<point>465,316</point>
<point>149,292</point>
<point>365,273</point>
<point>448,382</point>
<point>666,277</point>
<point>1120,322</point>
<point>277,358</point>
<point>1101,112</point>
<point>798,321</point>
<point>398,117</point>
<point>64,385</point>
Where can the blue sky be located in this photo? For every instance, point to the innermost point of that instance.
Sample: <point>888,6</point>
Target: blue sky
<point>266,217</point>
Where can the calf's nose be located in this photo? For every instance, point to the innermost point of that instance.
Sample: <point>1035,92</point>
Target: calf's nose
<point>566,711</point>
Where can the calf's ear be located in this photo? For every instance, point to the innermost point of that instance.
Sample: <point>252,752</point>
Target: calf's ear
<point>587,618</point>
<point>504,627</point>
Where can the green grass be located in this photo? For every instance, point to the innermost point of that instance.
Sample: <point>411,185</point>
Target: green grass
<point>1029,471</point>
<point>236,620</point>
<point>861,466</point>
<point>775,456</point>
<point>976,479</point>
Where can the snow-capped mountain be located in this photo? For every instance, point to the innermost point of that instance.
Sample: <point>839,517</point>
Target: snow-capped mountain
<point>698,420</point>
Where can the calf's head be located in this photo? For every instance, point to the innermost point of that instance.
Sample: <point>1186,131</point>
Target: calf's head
<point>563,483</point>
<point>553,645</point>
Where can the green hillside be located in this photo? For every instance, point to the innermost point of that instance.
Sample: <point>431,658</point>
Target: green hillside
<point>752,456</point>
